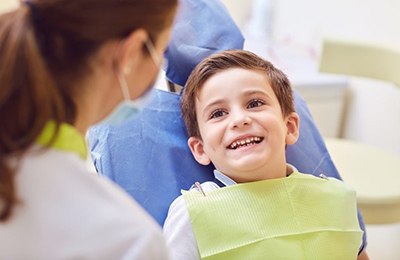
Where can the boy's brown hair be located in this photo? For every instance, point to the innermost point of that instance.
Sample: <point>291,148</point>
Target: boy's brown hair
<point>226,60</point>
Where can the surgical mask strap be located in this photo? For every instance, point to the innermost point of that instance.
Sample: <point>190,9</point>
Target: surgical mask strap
<point>124,86</point>
<point>120,75</point>
<point>153,52</point>
<point>122,81</point>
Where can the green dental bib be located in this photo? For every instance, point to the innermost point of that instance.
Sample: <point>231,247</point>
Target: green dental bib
<point>298,217</point>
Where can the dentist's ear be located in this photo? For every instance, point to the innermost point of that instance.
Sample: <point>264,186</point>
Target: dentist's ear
<point>292,125</point>
<point>197,149</point>
<point>130,50</point>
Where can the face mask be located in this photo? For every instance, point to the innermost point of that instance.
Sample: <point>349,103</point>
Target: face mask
<point>128,109</point>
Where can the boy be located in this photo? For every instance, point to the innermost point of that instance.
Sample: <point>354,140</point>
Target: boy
<point>239,113</point>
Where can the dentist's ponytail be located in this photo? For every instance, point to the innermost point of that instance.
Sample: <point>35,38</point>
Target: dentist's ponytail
<point>28,97</point>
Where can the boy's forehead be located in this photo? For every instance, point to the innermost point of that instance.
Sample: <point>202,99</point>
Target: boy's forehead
<point>227,78</point>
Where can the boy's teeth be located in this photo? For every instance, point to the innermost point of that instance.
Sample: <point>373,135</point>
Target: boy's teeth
<point>245,142</point>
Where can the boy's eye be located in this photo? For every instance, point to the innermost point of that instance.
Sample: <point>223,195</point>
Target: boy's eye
<point>217,113</point>
<point>255,103</point>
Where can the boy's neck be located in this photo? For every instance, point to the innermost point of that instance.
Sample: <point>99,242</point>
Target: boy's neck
<point>289,170</point>
<point>227,181</point>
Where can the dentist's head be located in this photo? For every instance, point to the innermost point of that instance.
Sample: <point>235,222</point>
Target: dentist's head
<point>74,62</point>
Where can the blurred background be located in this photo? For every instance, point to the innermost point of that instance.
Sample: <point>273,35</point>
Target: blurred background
<point>291,34</point>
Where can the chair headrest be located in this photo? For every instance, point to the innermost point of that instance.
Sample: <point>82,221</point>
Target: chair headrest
<point>201,28</point>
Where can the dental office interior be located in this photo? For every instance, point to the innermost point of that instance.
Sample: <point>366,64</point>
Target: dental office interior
<point>343,57</point>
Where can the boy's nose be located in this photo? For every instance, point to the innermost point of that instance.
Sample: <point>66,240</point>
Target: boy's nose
<point>240,119</point>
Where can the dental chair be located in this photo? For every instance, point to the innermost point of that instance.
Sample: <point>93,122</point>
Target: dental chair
<point>372,171</point>
<point>148,156</point>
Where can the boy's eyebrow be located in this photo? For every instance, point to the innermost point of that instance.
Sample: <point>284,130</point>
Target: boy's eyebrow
<point>253,92</point>
<point>264,93</point>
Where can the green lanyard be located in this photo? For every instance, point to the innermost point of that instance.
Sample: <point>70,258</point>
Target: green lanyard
<point>297,217</point>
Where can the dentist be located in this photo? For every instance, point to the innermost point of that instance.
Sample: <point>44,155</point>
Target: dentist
<point>67,65</point>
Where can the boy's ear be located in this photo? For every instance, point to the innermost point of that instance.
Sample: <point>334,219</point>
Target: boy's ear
<point>292,125</point>
<point>197,149</point>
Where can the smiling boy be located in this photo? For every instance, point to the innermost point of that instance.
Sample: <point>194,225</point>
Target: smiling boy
<point>239,113</point>
<point>242,128</point>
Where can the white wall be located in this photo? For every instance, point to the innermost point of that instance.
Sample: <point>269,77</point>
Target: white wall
<point>309,21</point>
<point>373,114</point>
<point>365,20</point>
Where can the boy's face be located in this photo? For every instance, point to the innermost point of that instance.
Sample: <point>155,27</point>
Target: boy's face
<point>242,127</point>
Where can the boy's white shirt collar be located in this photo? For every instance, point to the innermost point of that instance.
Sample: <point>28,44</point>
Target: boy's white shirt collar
<point>229,182</point>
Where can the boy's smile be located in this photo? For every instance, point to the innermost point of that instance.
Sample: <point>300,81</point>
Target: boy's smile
<point>244,142</point>
<point>243,131</point>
